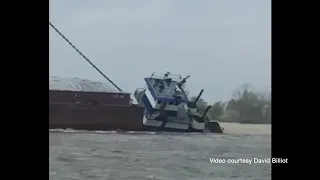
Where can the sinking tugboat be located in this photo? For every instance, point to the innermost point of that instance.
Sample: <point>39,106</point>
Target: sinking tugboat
<point>167,106</point>
<point>162,106</point>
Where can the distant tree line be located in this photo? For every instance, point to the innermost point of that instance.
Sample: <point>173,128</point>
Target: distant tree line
<point>245,106</point>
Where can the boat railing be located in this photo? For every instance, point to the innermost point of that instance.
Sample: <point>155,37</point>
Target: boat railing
<point>174,77</point>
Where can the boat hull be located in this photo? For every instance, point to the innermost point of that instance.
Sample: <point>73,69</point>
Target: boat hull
<point>76,110</point>
<point>170,126</point>
<point>91,117</point>
<point>164,129</point>
<point>106,118</point>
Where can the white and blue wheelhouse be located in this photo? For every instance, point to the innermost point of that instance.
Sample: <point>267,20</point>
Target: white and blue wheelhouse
<point>166,105</point>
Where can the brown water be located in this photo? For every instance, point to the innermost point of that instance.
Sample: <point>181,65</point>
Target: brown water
<point>161,156</point>
<point>252,129</point>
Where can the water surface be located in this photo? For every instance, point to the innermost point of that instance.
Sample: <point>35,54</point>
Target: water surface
<point>160,156</point>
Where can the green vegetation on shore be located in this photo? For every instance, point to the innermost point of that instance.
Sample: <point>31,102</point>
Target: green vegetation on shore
<point>246,106</point>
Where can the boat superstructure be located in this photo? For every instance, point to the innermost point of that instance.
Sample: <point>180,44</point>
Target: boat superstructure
<point>167,106</point>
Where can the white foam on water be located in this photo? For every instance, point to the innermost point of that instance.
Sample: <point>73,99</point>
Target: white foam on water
<point>63,130</point>
<point>103,132</point>
<point>100,132</point>
<point>81,131</point>
<point>140,132</point>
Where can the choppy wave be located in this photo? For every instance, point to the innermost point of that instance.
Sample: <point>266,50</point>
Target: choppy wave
<point>164,156</point>
<point>229,128</point>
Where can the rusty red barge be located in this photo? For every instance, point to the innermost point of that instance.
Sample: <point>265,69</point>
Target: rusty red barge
<point>86,105</point>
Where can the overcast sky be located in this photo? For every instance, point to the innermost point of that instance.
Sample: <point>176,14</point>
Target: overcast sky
<point>221,44</point>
